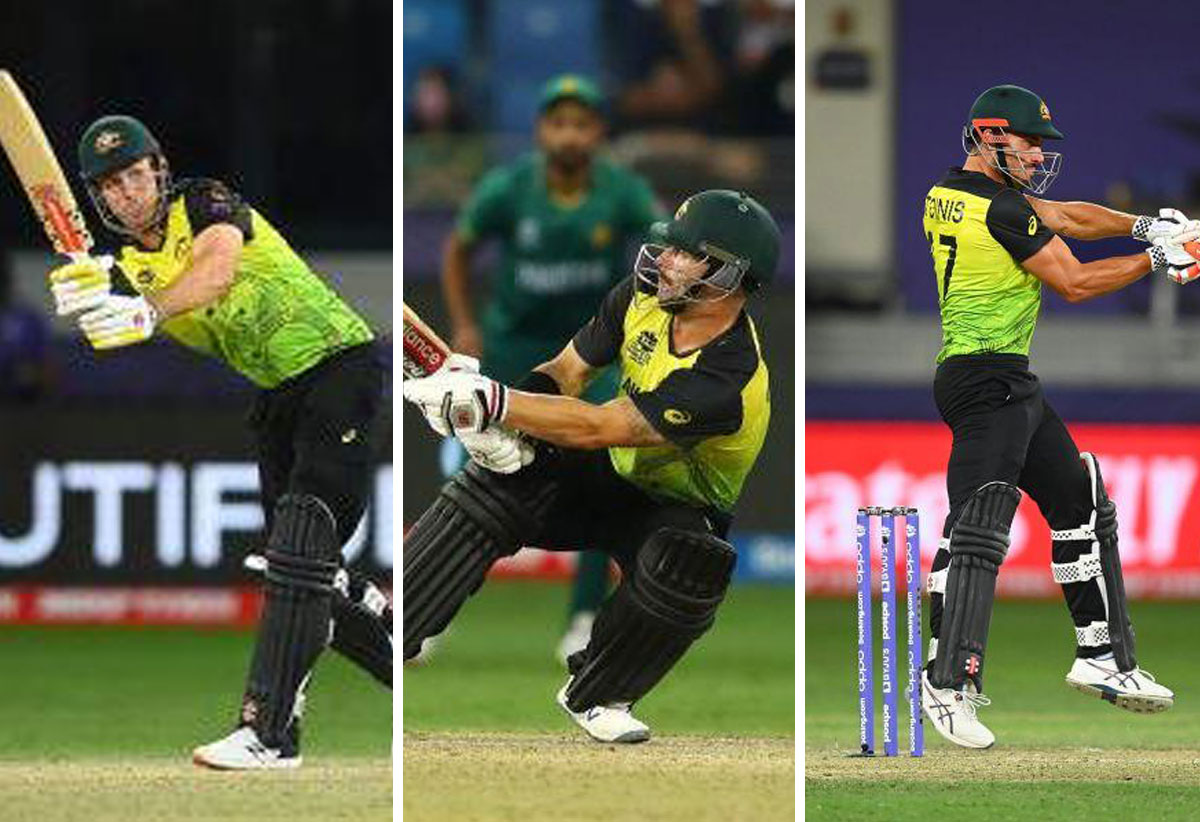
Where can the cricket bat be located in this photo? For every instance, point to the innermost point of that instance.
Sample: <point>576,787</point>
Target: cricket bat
<point>424,350</point>
<point>32,157</point>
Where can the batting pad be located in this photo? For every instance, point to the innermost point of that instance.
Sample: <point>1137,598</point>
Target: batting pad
<point>654,616</point>
<point>302,559</point>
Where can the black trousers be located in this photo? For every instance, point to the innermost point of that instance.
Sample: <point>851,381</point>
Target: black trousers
<point>1005,430</point>
<point>598,510</point>
<point>315,434</point>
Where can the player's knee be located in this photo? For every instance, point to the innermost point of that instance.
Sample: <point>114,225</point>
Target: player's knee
<point>510,507</point>
<point>303,551</point>
<point>983,527</point>
<point>683,575</point>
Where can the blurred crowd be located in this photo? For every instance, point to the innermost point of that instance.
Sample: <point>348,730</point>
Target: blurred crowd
<point>696,90</point>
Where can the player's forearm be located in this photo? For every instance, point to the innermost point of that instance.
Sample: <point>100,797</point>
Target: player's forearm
<point>563,421</point>
<point>203,284</point>
<point>570,379</point>
<point>456,262</point>
<point>1101,277</point>
<point>1089,221</point>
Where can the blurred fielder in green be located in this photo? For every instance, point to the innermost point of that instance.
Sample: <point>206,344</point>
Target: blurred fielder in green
<point>564,219</point>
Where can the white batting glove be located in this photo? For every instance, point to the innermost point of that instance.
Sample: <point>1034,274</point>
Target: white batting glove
<point>1168,223</point>
<point>497,449</point>
<point>1179,255</point>
<point>461,362</point>
<point>455,362</point>
<point>462,400</point>
<point>81,284</point>
<point>119,321</point>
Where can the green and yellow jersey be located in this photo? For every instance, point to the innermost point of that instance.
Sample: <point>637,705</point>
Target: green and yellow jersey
<point>278,317</point>
<point>557,261</point>
<point>712,405</point>
<point>979,232</point>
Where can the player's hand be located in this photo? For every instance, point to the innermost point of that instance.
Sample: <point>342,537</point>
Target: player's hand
<point>81,284</point>
<point>461,362</point>
<point>460,400</point>
<point>1169,223</point>
<point>1183,275</point>
<point>119,321</point>
<point>497,449</point>
<point>454,362</point>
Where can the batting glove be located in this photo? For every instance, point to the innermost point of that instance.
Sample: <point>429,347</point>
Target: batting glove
<point>497,449</point>
<point>81,285</point>
<point>1168,223</point>
<point>462,400</point>
<point>455,362</point>
<point>1183,276</point>
<point>119,321</point>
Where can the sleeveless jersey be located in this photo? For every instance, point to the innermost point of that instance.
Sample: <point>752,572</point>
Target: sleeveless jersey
<point>979,232</point>
<point>712,405</point>
<point>277,319</point>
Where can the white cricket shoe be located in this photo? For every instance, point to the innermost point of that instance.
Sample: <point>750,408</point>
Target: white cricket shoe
<point>242,751</point>
<point>1135,691</point>
<point>953,714</point>
<point>429,647</point>
<point>606,723</point>
<point>577,635</point>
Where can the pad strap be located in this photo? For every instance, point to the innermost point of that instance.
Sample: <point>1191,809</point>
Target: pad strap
<point>1092,636</point>
<point>1081,570</point>
<point>1086,531</point>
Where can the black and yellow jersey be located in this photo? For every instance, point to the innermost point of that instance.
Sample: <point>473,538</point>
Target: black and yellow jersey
<point>712,405</point>
<point>278,318</point>
<point>979,232</point>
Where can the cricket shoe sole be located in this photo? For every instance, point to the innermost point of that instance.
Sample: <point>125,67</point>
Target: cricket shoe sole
<point>1135,690</point>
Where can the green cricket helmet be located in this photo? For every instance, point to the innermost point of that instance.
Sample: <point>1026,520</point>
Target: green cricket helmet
<point>730,230</point>
<point>110,144</point>
<point>1008,109</point>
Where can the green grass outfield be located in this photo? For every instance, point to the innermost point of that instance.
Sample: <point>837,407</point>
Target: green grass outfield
<point>1058,753</point>
<point>485,740</point>
<point>99,723</point>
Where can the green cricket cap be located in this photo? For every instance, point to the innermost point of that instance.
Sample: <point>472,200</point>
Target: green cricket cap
<point>570,87</point>
<point>1014,109</point>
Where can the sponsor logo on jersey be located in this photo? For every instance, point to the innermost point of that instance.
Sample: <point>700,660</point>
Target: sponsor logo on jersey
<point>562,277</point>
<point>602,236</point>
<point>145,277</point>
<point>1032,224</point>
<point>677,417</point>
<point>641,347</point>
